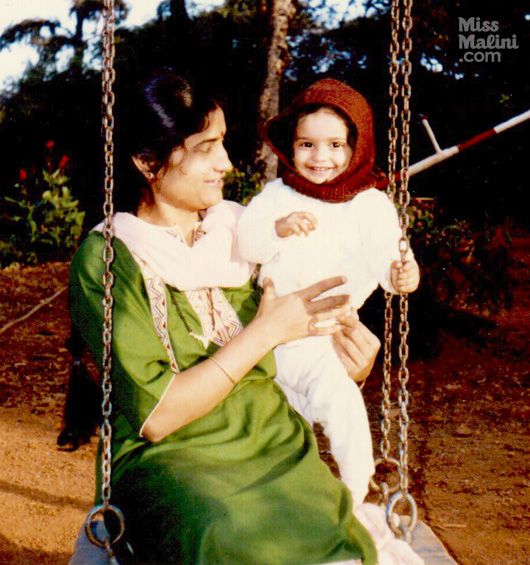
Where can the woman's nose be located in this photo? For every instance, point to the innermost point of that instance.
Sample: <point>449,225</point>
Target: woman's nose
<point>223,162</point>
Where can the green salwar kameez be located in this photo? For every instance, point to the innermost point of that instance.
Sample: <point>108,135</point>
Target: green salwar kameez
<point>243,484</point>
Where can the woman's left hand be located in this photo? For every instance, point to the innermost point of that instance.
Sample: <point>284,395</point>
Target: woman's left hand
<point>356,346</point>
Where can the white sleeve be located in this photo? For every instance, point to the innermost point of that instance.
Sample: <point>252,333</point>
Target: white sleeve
<point>257,241</point>
<point>380,233</point>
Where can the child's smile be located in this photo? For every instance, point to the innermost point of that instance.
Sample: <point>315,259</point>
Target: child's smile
<point>321,151</point>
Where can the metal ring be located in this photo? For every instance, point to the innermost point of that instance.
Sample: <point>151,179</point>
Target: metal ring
<point>402,530</point>
<point>374,485</point>
<point>100,511</point>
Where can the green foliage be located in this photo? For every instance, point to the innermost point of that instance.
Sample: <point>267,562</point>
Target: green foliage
<point>228,45</point>
<point>243,11</point>
<point>241,186</point>
<point>421,216</point>
<point>42,228</point>
<point>464,266</point>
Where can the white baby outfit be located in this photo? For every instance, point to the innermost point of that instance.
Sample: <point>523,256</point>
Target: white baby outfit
<point>358,239</point>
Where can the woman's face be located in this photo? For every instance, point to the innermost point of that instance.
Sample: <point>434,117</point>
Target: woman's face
<point>321,151</point>
<point>192,180</point>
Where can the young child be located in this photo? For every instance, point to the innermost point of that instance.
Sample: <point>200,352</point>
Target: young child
<point>323,218</point>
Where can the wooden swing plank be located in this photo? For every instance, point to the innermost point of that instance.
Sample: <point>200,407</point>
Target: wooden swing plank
<point>424,542</point>
<point>429,547</point>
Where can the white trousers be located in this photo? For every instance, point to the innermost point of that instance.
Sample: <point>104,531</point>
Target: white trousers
<point>318,387</point>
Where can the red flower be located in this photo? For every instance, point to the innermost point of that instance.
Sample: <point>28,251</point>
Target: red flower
<point>50,144</point>
<point>22,175</point>
<point>63,162</point>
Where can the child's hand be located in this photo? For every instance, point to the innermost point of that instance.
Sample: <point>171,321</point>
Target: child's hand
<point>405,277</point>
<point>297,223</point>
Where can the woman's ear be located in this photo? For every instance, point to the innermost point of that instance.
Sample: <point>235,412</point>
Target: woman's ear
<point>144,166</point>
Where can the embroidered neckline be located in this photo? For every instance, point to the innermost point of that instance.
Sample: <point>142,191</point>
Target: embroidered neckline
<point>217,317</point>
<point>202,338</point>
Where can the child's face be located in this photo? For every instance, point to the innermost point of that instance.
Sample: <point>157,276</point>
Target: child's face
<point>320,150</point>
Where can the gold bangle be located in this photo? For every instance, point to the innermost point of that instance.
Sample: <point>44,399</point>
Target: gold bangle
<point>230,377</point>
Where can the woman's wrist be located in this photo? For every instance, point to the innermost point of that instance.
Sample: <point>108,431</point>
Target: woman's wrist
<point>238,356</point>
<point>265,333</point>
<point>224,370</point>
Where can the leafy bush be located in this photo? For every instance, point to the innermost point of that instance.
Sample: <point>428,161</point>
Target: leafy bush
<point>464,266</point>
<point>40,221</point>
<point>241,186</point>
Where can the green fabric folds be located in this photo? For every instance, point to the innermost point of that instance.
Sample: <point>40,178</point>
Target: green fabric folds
<point>244,484</point>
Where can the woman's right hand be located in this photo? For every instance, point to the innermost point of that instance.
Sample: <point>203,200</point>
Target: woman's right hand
<point>296,315</point>
<point>356,346</point>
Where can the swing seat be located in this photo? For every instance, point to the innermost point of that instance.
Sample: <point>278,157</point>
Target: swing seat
<point>424,542</point>
<point>429,547</point>
<point>85,552</point>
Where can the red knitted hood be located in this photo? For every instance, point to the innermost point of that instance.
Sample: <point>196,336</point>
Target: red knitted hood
<point>359,175</point>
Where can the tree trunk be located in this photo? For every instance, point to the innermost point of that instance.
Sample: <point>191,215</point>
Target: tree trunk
<point>179,14</point>
<point>78,42</point>
<point>280,13</point>
<point>181,37</point>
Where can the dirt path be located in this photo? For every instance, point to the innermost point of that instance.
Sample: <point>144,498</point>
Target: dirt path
<point>469,440</point>
<point>44,492</point>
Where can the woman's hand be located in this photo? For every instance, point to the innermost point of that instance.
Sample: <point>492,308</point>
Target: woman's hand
<point>297,314</point>
<point>356,346</point>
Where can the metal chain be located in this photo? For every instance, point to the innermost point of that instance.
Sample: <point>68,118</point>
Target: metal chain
<point>393,111</point>
<point>98,513</point>
<point>108,77</point>
<point>387,379</point>
<point>403,198</point>
<point>397,190</point>
<point>393,136</point>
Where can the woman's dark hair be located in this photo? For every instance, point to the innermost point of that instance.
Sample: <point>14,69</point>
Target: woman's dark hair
<point>165,109</point>
<point>282,132</point>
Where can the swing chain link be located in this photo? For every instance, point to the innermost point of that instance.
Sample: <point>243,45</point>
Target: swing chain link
<point>108,76</point>
<point>404,327</point>
<point>393,132</point>
<point>400,190</point>
<point>387,378</point>
<point>393,136</point>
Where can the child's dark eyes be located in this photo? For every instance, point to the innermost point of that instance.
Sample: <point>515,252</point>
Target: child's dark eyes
<point>333,144</point>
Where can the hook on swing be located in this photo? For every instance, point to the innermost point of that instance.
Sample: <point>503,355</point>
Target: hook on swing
<point>96,516</point>
<point>402,525</point>
<point>385,488</point>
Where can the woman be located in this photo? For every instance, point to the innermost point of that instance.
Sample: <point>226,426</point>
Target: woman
<point>210,463</point>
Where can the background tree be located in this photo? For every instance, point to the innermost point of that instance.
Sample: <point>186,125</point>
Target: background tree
<point>279,14</point>
<point>229,46</point>
<point>50,38</point>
